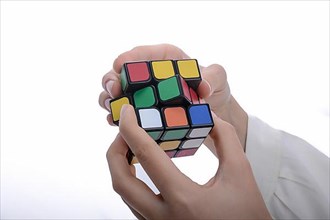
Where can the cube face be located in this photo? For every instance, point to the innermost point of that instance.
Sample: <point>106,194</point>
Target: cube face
<point>163,93</point>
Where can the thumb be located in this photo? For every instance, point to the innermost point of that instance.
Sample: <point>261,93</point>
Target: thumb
<point>132,133</point>
<point>155,162</point>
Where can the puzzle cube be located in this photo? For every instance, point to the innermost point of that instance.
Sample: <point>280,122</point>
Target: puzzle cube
<point>163,93</point>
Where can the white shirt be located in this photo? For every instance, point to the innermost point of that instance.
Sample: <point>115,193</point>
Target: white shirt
<point>292,175</point>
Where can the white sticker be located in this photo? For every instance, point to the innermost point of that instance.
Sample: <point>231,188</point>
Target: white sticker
<point>192,143</point>
<point>150,118</point>
<point>200,132</point>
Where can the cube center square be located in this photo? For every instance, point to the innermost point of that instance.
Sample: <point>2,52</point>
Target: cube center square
<point>168,89</point>
<point>167,106</point>
<point>175,117</point>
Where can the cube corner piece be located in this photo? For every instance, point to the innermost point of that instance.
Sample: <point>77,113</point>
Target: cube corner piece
<point>116,105</point>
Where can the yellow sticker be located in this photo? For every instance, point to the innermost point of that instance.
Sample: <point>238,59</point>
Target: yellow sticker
<point>134,160</point>
<point>116,107</point>
<point>188,68</point>
<point>163,69</point>
<point>169,145</point>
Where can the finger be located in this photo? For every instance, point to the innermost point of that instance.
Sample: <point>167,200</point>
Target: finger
<point>111,83</point>
<point>226,142</point>
<point>136,193</point>
<point>149,52</point>
<point>214,79</point>
<point>110,120</point>
<point>104,100</point>
<point>155,162</point>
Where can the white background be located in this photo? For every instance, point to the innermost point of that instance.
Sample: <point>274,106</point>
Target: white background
<point>53,55</point>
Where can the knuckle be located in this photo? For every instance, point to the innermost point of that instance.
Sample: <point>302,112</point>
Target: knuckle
<point>104,79</point>
<point>170,47</point>
<point>218,68</point>
<point>120,60</point>
<point>138,48</point>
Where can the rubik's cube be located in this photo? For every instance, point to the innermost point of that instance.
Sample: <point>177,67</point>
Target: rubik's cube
<point>163,93</point>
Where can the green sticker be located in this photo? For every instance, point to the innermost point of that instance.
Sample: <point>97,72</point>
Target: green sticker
<point>123,78</point>
<point>175,134</point>
<point>154,134</point>
<point>144,98</point>
<point>168,89</point>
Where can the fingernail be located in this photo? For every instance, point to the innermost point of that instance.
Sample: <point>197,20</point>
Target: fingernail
<point>109,86</point>
<point>107,104</point>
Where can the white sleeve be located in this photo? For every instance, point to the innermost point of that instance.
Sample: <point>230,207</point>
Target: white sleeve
<point>292,175</point>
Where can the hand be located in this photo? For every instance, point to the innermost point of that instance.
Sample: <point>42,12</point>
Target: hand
<point>231,194</point>
<point>214,87</point>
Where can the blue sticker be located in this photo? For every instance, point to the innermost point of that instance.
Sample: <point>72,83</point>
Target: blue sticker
<point>200,115</point>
